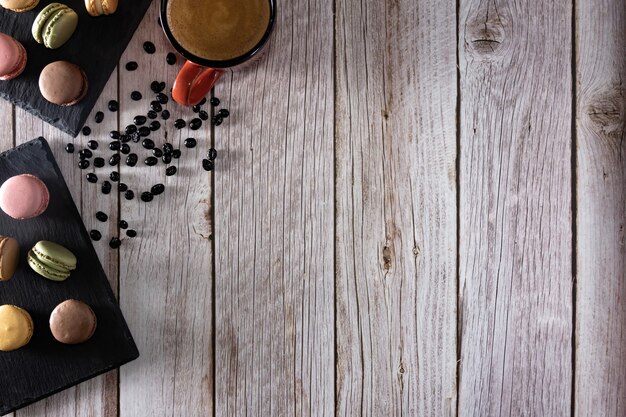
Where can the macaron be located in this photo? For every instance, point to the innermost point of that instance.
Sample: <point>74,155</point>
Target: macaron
<point>24,196</point>
<point>51,260</point>
<point>63,83</point>
<point>13,57</point>
<point>16,327</point>
<point>101,7</point>
<point>9,257</point>
<point>72,322</point>
<point>54,25</point>
<point>19,5</point>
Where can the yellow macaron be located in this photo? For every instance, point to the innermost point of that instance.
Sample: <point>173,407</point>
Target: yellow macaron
<point>101,7</point>
<point>19,5</point>
<point>16,327</point>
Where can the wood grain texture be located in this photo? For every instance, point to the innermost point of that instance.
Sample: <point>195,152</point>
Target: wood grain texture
<point>165,272</point>
<point>601,214</point>
<point>515,295</point>
<point>396,208</point>
<point>6,125</point>
<point>274,225</point>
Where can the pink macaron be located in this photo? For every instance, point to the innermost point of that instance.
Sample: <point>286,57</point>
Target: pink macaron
<point>12,57</point>
<point>24,196</point>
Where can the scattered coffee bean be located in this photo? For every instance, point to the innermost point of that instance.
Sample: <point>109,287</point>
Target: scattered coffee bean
<point>214,101</point>
<point>86,131</point>
<point>207,165</point>
<point>149,47</point>
<point>92,144</point>
<point>85,154</point>
<point>167,147</point>
<point>152,114</point>
<point>115,145</point>
<point>102,216</point>
<point>179,124</point>
<point>135,137</point>
<point>203,115</point>
<point>114,176</point>
<point>121,187</point>
<point>148,143</point>
<point>162,98</point>
<point>131,233</point>
<point>136,96</point>
<point>131,160</point>
<point>202,102</point>
<point>144,131</point>
<point>113,106</point>
<point>69,148</point>
<point>125,138</point>
<point>165,115</point>
<point>92,178</point>
<point>195,124</point>
<point>125,148</point>
<point>196,108</point>
<point>224,113</point>
<point>157,87</point>
<point>106,187</point>
<point>176,153</point>
<point>98,162</point>
<point>123,224</point>
<point>190,143</point>
<point>115,243</point>
<point>129,194</point>
<point>170,59</point>
<point>83,164</point>
<point>146,197</point>
<point>171,170</point>
<point>114,159</point>
<point>156,106</point>
<point>155,125</point>
<point>130,129</point>
<point>151,161</point>
<point>157,152</point>
<point>140,120</point>
<point>114,134</point>
<point>99,117</point>
<point>95,235</point>
<point>157,189</point>
<point>212,154</point>
<point>217,120</point>
<point>166,158</point>
<point>131,66</point>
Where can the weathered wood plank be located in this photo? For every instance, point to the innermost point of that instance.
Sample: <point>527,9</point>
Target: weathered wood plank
<point>601,215</point>
<point>98,396</point>
<point>165,286</point>
<point>515,208</point>
<point>274,225</point>
<point>6,125</point>
<point>396,208</point>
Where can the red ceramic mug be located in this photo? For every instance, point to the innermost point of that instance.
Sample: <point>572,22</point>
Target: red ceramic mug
<point>199,74</point>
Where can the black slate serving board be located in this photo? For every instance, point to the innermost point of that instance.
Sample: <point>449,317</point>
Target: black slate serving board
<point>96,46</point>
<point>44,366</point>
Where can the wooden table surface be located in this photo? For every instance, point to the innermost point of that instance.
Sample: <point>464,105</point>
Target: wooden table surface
<point>418,208</point>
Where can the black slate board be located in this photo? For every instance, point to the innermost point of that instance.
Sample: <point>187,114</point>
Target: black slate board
<point>96,46</point>
<point>45,366</point>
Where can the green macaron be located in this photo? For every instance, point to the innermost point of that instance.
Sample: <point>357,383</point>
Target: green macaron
<point>51,260</point>
<point>54,25</point>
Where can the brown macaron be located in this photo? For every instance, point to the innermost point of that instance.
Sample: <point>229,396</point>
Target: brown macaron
<point>63,83</point>
<point>72,322</point>
<point>9,257</point>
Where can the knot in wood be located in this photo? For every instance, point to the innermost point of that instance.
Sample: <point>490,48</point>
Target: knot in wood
<point>485,35</point>
<point>606,112</point>
<point>387,258</point>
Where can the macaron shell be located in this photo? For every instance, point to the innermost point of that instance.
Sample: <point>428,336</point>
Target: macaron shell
<point>24,196</point>
<point>72,322</point>
<point>12,57</point>
<point>42,18</point>
<point>63,83</point>
<point>19,5</point>
<point>55,255</point>
<point>109,6</point>
<point>16,327</point>
<point>59,28</point>
<point>46,271</point>
<point>9,257</point>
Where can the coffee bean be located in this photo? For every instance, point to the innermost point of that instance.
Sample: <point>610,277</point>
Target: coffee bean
<point>125,148</point>
<point>83,164</point>
<point>148,143</point>
<point>149,47</point>
<point>152,114</point>
<point>202,102</point>
<point>207,165</point>
<point>150,161</point>
<point>131,233</point>
<point>131,66</point>
<point>140,120</point>
<point>179,124</point>
<point>136,96</point>
<point>115,243</point>
<point>157,87</point>
<point>114,159</point>
<point>102,216</point>
<point>92,178</point>
<point>95,235</point>
<point>155,125</point>
<point>176,153</point>
<point>106,187</point>
<point>125,138</point>
<point>167,147</point>
<point>203,115</point>
<point>171,170</point>
<point>190,143</point>
<point>165,115</point>
<point>135,137</point>
<point>114,134</point>
<point>157,152</point>
<point>98,162</point>
<point>224,113</point>
<point>144,131</point>
<point>217,121</point>
<point>129,194</point>
<point>99,117</point>
<point>156,106</point>
<point>170,59</point>
<point>131,160</point>
<point>123,224</point>
<point>130,129</point>
<point>115,145</point>
<point>157,189</point>
<point>69,148</point>
<point>113,106</point>
<point>212,154</point>
<point>121,187</point>
<point>114,176</point>
<point>146,197</point>
<point>166,158</point>
<point>92,144</point>
<point>195,124</point>
<point>85,154</point>
<point>196,108</point>
<point>162,98</point>
<point>214,101</point>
